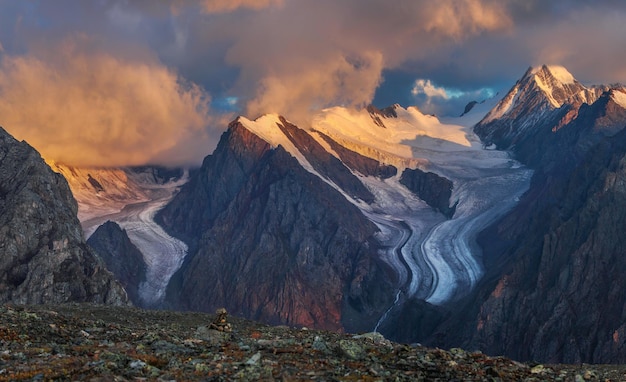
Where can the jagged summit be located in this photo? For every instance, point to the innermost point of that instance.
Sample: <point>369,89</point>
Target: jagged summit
<point>541,88</point>
<point>556,71</point>
<point>544,92</point>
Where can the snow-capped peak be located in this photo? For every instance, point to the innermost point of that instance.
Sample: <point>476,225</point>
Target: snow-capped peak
<point>266,128</point>
<point>557,71</point>
<point>551,83</point>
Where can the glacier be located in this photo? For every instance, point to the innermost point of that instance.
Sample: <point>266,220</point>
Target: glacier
<point>131,198</point>
<point>434,259</point>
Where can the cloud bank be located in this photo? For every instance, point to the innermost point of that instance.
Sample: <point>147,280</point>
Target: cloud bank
<point>129,82</point>
<point>95,109</point>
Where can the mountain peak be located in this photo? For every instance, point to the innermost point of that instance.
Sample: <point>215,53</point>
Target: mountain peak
<point>557,72</point>
<point>556,82</point>
<point>545,87</point>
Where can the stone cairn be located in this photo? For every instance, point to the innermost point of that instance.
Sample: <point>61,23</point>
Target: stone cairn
<point>220,323</point>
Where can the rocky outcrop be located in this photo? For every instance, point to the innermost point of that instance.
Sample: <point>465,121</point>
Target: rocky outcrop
<point>435,190</point>
<point>470,105</point>
<point>379,115</point>
<point>121,257</point>
<point>273,242</point>
<point>43,256</point>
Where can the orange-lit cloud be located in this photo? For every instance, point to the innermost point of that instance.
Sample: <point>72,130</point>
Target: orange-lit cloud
<point>463,18</point>
<point>269,56</point>
<point>90,108</point>
<point>219,6</point>
<point>338,80</point>
<point>316,54</point>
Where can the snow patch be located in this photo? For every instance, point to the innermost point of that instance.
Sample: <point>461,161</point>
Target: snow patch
<point>404,142</point>
<point>561,74</point>
<point>504,106</point>
<point>547,91</point>
<point>619,96</point>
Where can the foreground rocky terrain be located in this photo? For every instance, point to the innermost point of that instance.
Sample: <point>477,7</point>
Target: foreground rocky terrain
<point>104,343</point>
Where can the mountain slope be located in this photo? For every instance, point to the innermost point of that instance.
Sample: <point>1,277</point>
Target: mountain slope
<point>121,257</point>
<point>263,249</point>
<point>276,206</point>
<point>44,258</point>
<point>566,270</point>
<point>544,96</point>
<point>553,287</point>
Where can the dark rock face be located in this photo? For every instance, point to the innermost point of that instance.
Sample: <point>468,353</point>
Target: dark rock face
<point>554,289</point>
<point>435,190</point>
<point>121,257</point>
<point>273,242</point>
<point>43,256</point>
<point>562,297</point>
<point>325,163</point>
<point>362,164</point>
<point>470,105</point>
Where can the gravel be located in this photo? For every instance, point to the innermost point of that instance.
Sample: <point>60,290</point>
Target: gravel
<point>82,342</point>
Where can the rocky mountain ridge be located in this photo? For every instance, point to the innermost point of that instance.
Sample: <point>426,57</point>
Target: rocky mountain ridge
<point>44,256</point>
<point>276,206</point>
<point>551,292</point>
<point>270,271</point>
<point>121,257</point>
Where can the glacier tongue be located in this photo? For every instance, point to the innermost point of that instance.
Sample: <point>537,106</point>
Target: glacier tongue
<point>131,199</point>
<point>162,253</point>
<point>434,259</point>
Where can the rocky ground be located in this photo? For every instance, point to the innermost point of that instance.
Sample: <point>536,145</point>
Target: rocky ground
<point>97,343</point>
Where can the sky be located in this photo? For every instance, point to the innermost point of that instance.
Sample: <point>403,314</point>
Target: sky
<point>133,82</point>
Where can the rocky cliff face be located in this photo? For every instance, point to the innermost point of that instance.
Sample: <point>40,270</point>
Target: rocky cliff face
<point>43,256</point>
<point>561,298</point>
<point>554,291</point>
<point>121,257</point>
<point>273,242</point>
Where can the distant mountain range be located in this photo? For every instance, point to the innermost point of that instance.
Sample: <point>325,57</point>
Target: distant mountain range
<point>499,230</point>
